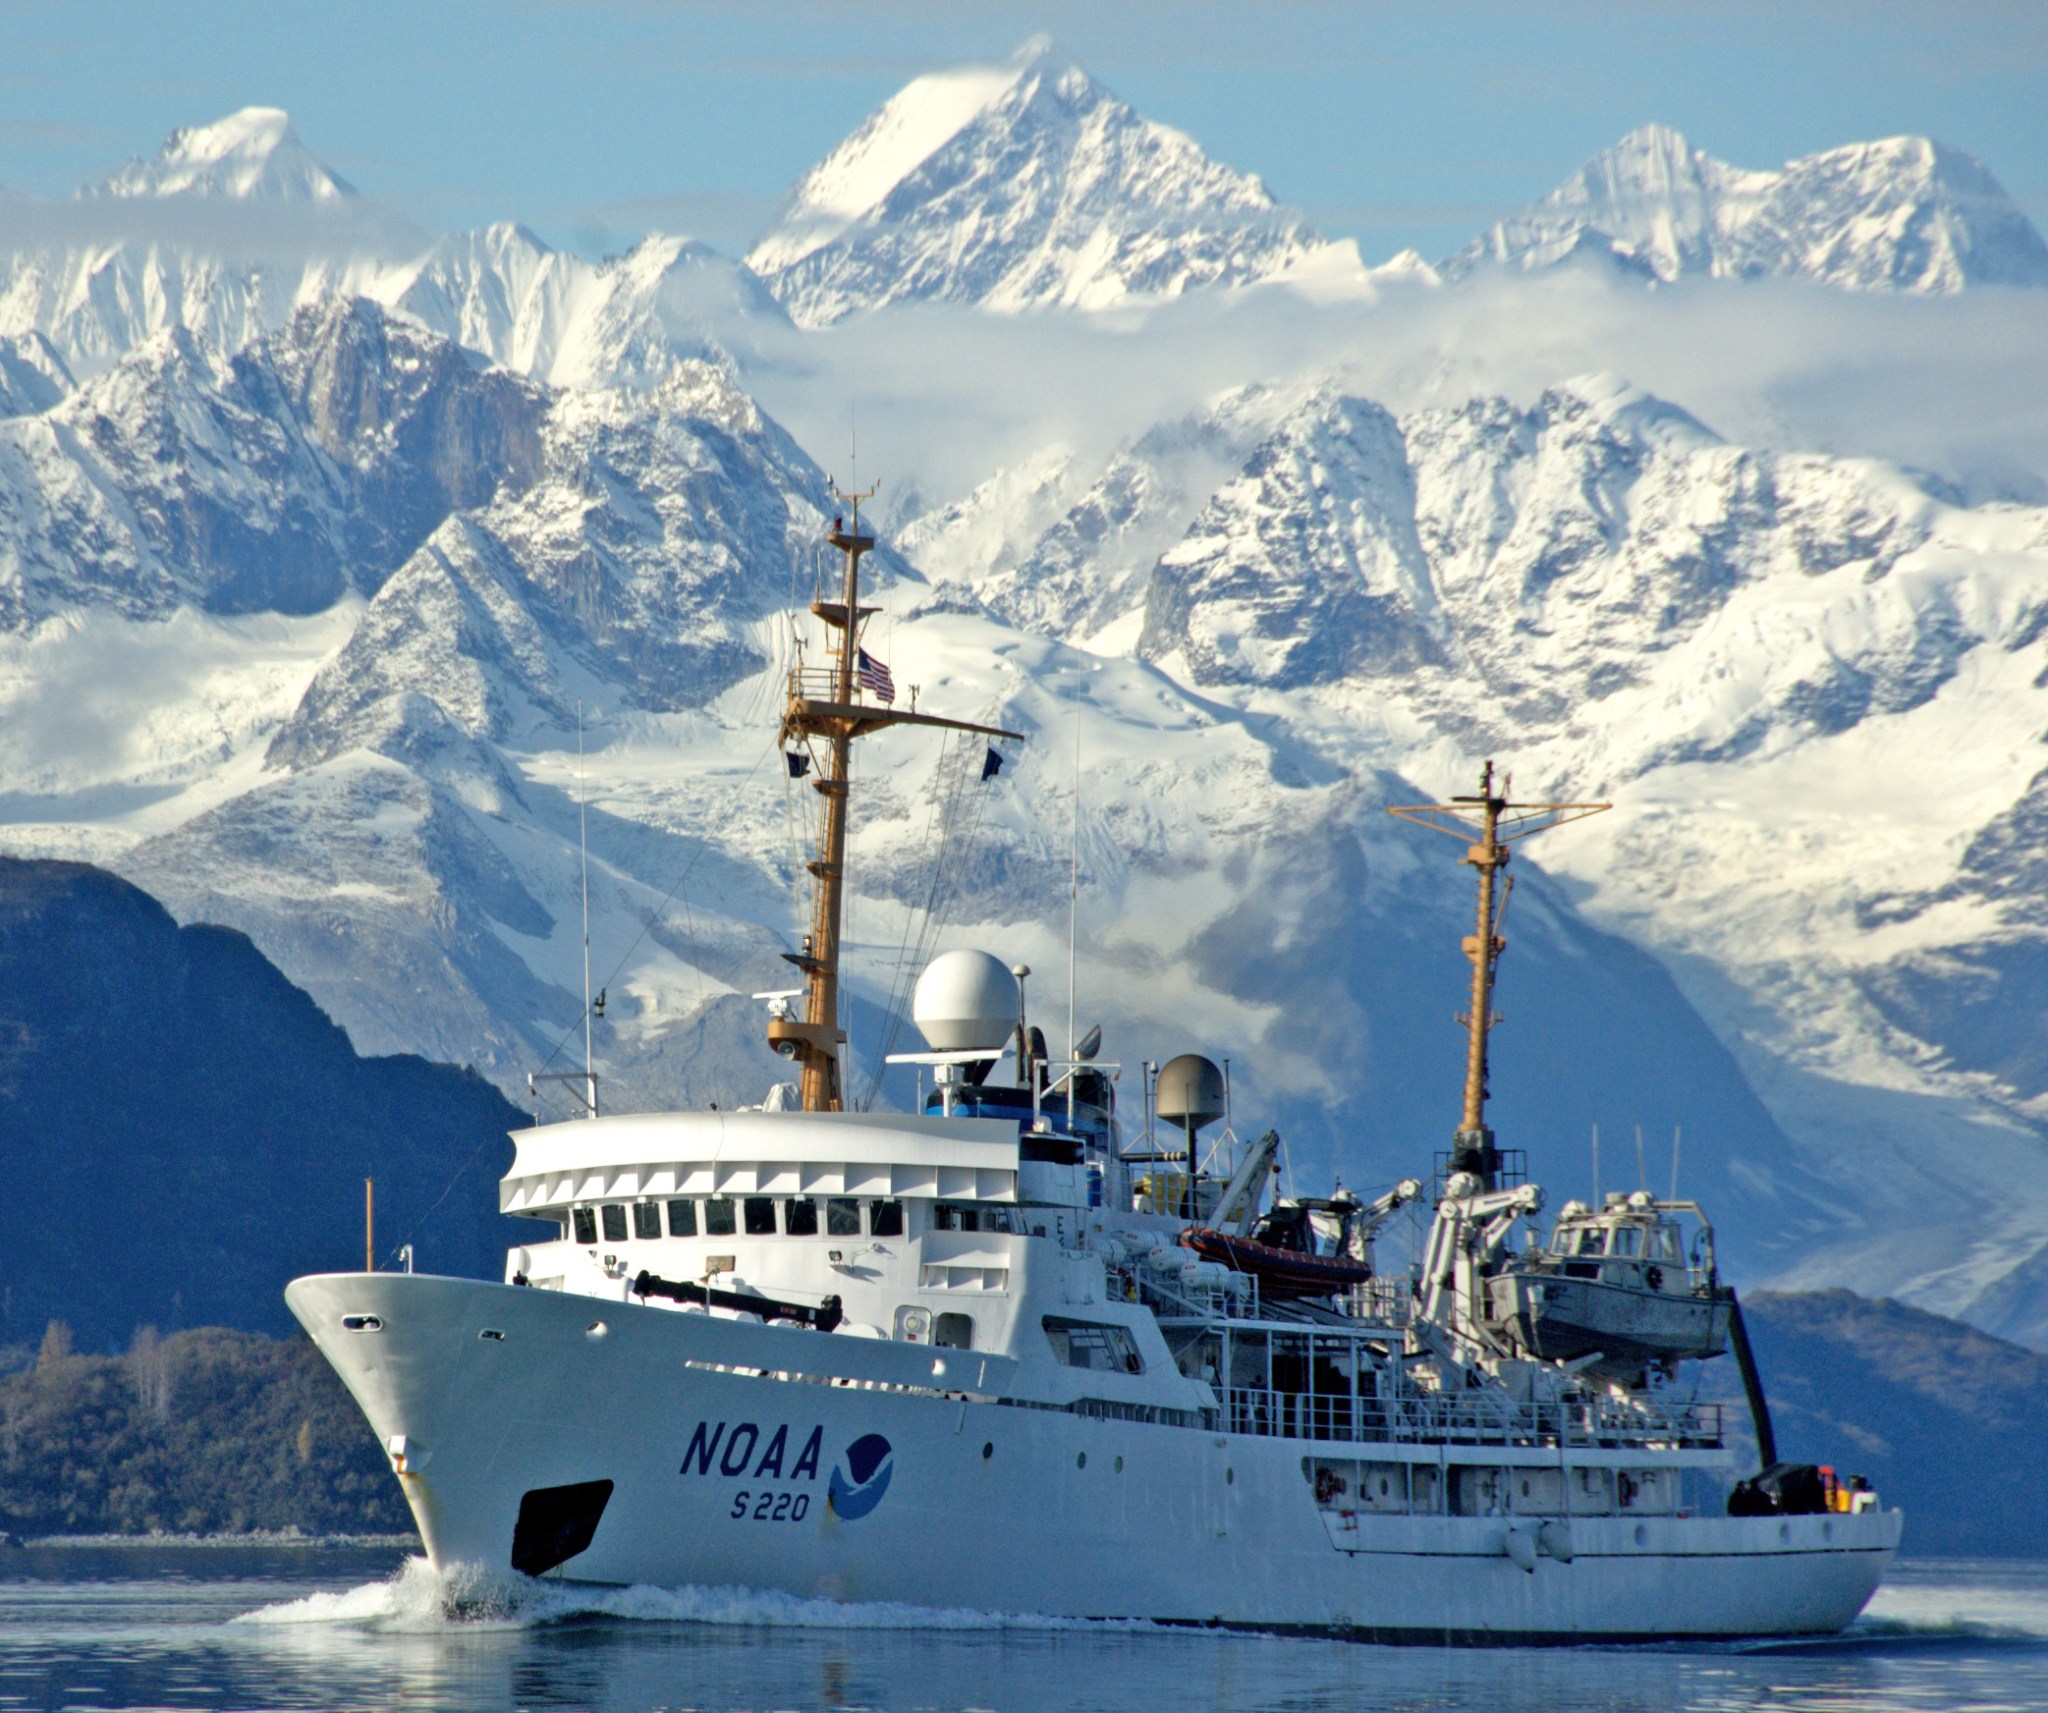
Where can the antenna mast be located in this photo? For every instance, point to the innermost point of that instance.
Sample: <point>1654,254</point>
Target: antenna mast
<point>1498,823</point>
<point>583,849</point>
<point>1073,902</point>
<point>830,703</point>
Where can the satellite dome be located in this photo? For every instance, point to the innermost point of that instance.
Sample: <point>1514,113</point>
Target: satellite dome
<point>966,1002</point>
<point>1189,1091</point>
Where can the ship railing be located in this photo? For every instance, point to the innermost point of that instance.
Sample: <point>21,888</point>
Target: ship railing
<point>1171,1297</point>
<point>1377,1303</point>
<point>1472,1418</point>
<point>819,684</point>
<point>1382,1302</point>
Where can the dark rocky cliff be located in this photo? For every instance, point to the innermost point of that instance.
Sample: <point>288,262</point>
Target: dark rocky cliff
<point>183,1131</point>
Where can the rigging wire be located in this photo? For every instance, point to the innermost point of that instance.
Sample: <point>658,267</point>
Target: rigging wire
<point>654,915</point>
<point>958,835</point>
<point>912,916</point>
<point>646,927</point>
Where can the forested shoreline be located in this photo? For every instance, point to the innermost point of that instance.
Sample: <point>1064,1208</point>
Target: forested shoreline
<point>205,1431</point>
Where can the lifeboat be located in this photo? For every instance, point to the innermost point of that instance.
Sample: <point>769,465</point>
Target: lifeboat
<point>1307,1248</point>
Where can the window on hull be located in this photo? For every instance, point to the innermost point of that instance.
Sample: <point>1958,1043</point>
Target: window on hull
<point>585,1221</point>
<point>949,1216</point>
<point>1094,1345</point>
<point>614,1221</point>
<point>682,1219</point>
<point>647,1219</point>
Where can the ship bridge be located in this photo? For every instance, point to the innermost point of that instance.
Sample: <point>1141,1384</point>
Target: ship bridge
<point>782,1154</point>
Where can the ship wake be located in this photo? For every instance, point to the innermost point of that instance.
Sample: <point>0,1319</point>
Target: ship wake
<point>418,1599</point>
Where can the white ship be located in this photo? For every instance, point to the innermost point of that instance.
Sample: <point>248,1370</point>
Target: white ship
<point>965,1358</point>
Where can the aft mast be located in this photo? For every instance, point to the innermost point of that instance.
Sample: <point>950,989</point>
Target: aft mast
<point>827,710</point>
<point>1498,823</point>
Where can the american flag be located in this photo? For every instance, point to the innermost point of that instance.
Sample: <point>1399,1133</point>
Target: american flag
<point>875,676</point>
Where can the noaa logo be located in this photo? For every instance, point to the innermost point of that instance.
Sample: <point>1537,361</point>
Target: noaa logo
<point>859,1482</point>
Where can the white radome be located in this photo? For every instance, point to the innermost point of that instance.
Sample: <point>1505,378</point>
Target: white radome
<point>966,1002</point>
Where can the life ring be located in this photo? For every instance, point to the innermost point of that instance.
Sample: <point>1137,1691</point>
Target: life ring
<point>1328,1485</point>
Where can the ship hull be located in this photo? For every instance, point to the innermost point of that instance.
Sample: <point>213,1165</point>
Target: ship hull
<point>720,1476</point>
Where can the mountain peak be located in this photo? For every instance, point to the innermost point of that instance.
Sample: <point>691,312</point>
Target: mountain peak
<point>251,155</point>
<point>1900,214</point>
<point>1018,186</point>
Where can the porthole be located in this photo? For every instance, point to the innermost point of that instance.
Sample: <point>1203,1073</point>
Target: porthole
<point>492,1335</point>
<point>595,1330</point>
<point>988,1450</point>
<point>362,1323</point>
<point>1230,1478</point>
<point>1119,1465</point>
<point>1642,1534</point>
<point>1080,1460</point>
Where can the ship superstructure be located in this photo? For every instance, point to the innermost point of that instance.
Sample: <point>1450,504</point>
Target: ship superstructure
<point>1002,1352</point>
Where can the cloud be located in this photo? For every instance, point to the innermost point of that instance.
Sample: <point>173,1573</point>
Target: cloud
<point>239,231</point>
<point>1956,387</point>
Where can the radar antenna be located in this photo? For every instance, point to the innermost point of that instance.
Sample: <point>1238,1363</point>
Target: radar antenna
<point>834,705</point>
<point>1499,823</point>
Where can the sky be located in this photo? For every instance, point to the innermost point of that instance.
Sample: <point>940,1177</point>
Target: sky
<point>595,121</point>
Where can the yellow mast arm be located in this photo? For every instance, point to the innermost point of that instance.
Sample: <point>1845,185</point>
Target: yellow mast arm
<point>824,719</point>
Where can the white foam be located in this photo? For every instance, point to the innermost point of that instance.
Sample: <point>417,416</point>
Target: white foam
<point>1975,1608</point>
<point>417,1598</point>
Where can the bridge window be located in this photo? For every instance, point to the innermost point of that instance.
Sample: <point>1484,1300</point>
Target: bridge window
<point>585,1220</point>
<point>647,1219</point>
<point>1095,1345</point>
<point>718,1217</point>
<point>682,1219</point>
<point>760,1216</point>
<point>614,1222</point>
<point>800,1217</point>
<point>842,1217</point>
<point>885,1219</point>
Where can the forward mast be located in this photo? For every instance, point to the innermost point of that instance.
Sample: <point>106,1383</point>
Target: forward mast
<point>827,709</point>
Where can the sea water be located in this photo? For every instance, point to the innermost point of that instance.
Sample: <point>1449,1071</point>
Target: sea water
<point>216,1627</point>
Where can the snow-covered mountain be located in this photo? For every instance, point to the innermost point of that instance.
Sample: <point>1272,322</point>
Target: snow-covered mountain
<point>521,552</point>
<point>32,376</point>
<point>297,472</point>
<point>1780,664</point>
<point>251,155</point>
<point>1023,186</point>
<point>309,573</point>
<point>1904,214</point>
<point>234,227</point>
